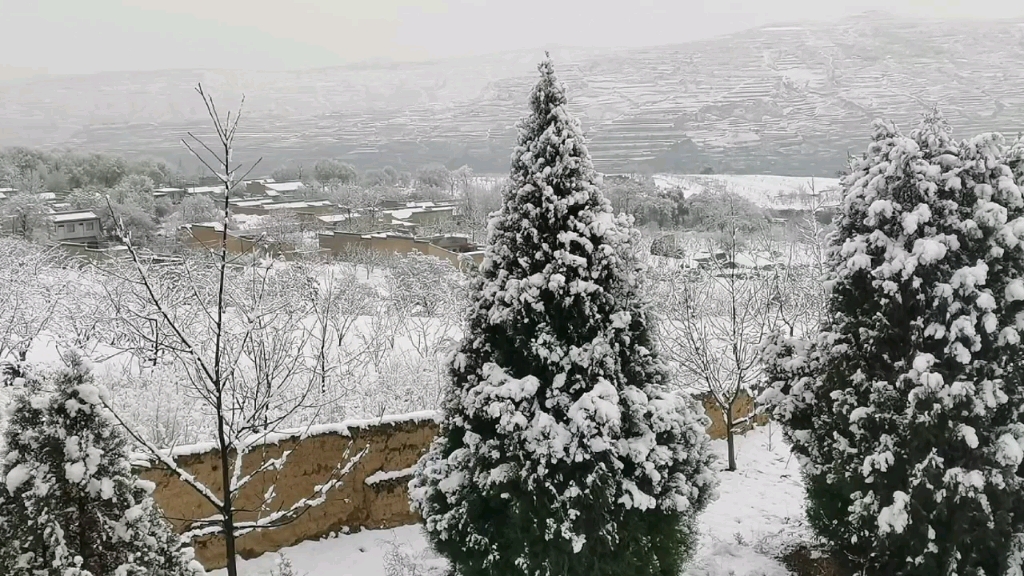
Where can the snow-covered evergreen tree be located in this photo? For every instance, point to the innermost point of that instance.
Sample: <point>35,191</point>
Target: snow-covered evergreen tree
<point>561,451</point>
<point>906,409</point>
<point>70,504</point>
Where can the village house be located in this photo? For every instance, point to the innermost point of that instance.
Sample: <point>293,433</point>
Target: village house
<point>334,220</point>
<point>454,248</point>
<point>246,203</point>
<point>307,210</point>
<point>283,188</point>
<point>81,226</point>
<point>310,208</point>
<point>420,213</point>
<point>210,234</point>
<point>252,241</point>
<point>393,204</point>
<point>268,187</point>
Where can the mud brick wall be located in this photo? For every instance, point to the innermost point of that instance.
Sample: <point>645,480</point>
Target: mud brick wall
<point>372,495</point>
<point>393,446</point>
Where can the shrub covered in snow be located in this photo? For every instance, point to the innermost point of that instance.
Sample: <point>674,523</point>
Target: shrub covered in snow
<point>561,451</point>
<point>906,408</point>
<point>70,504</point>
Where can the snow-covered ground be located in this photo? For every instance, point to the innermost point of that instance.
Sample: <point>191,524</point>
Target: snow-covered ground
<point>758,513</point>
<point>777,192</point>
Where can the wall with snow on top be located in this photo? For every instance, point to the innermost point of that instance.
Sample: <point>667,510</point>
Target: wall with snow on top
<point>373,495</point>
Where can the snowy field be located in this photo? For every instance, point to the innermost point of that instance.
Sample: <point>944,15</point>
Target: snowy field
<point>387,350</point>
<point>767,191</point>
<point>391,359</point>
<point>758,514</point>
<point>777,192</point>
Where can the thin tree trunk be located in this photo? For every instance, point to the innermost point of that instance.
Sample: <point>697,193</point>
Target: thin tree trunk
<point>228,511</point>
<point>729,438</point>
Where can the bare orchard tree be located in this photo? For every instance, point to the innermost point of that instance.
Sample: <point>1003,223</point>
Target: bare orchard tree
<point>371,259</point>
<point>245,334</point>
<point>341,303</point>
<point>713,326</point>
<point>716,317</point>
<point>804,301</point>
<point>30,290</point>
<point>429,296</point>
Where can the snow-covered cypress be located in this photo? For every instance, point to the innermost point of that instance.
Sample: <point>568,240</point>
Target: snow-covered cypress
<point>561,450</point>
<point>906,409</point>
<point>70,504</point>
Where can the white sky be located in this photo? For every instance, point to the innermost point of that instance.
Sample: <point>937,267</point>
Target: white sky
<point>85,36</point>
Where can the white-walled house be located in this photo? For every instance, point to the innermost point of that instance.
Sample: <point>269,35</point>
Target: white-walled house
<point>77,226</point>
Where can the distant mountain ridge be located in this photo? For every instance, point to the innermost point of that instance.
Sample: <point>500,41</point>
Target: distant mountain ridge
<point>788,99</point>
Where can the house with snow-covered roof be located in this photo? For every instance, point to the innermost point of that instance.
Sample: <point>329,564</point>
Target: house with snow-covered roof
<point>457,249</point>
<point>75,226</point>
<point>205,190</point>
<point>268,187</point>
<point>420,215</point>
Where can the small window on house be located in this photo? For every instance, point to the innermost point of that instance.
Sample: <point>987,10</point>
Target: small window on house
<point>71,228</point>
<point>60,228</point>
<point>88,226</point>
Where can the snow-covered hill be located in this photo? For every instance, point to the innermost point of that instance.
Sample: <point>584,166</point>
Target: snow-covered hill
<point>781,99</point>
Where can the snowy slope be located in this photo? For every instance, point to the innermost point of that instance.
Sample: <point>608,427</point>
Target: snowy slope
<point>759,511</point>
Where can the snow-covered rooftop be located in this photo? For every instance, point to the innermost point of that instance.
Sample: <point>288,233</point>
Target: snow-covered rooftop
<point>336,217</point>
<point>405,213</point>
<point>283,186</point>
<point>205,190</point>
<point>293,205</point>
<point>74,216</point>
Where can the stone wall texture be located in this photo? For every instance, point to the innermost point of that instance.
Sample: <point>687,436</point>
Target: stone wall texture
<point>392,446</point>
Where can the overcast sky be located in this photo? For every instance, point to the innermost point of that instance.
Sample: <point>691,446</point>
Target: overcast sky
<point>85,36</point>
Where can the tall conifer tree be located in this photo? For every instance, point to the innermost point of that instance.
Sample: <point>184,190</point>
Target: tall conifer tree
<point>906,410</point>
<point>562,451</point>
<point>70,504</point>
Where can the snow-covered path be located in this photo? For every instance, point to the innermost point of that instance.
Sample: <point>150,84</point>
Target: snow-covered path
<point>759,510</point>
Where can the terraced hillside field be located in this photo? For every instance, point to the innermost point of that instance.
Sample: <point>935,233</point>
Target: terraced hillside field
<point>780,100</point>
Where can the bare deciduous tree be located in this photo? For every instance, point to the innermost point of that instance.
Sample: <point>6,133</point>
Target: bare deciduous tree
<point>716,316</point>
<point>251,344</point>
<point>28,299</point>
